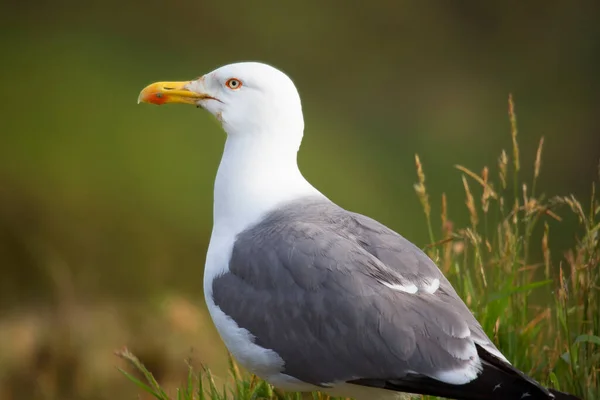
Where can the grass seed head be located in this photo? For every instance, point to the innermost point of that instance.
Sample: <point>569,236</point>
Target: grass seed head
<point>470,202</point>
<point>502,167</point>
<point>538,159</point>
<point>514,132</point>
<point>487,191</point>
<point>420,188</point>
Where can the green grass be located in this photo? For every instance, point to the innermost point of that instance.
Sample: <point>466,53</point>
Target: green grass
<point>540,304</point>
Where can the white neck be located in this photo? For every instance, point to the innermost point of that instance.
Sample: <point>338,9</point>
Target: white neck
<point>256,174</point>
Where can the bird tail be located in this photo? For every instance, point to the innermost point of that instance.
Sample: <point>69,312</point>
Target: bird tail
<point>498,381</point>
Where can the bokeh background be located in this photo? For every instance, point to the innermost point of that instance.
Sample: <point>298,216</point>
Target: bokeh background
<point>105,205</point>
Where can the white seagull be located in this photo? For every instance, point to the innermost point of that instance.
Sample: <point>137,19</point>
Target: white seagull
<point>310,296</point>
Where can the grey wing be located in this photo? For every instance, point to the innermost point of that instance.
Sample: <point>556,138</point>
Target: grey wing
<point>318,289</point>
<point>407,259</point>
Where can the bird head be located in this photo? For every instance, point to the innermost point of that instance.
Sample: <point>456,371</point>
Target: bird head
<point>248,98</point>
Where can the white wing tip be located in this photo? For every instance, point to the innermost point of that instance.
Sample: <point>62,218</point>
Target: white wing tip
<point>428,287</point>
<point>410,288</point>
<point>433,286</point>
<point>460,376</point>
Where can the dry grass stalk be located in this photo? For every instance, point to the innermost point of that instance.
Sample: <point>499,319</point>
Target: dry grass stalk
<point>546,250</point>
<point>513,132</point>
<point>470,202</point>
<point>447,236</point>
<point>502,168</point>
<point>480,179</point>
<point>424,198</point>
<point>472,235</point>
<point>420,187</point>
<point>530,204</point>
<point>562,288</point>
<point>444,215</point>
<point>488,245</point>
<point>487,191</point>
<point>575,206</point>
<point>538,159</point>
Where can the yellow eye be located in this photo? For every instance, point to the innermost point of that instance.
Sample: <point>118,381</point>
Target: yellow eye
<point>233,84</point>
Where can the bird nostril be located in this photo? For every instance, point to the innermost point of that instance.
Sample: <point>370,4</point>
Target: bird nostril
<point>168,88</point>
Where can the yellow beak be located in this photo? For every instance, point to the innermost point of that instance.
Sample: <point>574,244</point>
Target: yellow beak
<point>169,92</point>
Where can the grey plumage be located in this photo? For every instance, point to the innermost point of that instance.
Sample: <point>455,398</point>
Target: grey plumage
<point>310,273</point>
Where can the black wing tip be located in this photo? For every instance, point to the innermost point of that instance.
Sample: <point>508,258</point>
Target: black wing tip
<point>498,381</point>
<point>432,387</point>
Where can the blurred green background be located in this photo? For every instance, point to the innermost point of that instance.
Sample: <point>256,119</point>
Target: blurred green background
<point>105,205</point>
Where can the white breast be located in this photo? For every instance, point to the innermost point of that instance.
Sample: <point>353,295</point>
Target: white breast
<point>255,176</point>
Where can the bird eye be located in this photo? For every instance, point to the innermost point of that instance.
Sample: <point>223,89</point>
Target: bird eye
<point>233,84</point>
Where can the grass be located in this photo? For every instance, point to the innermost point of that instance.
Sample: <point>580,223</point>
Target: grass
<point>539,304</point>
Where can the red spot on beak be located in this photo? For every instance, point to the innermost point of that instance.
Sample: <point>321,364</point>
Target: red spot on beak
<point>158,99</point>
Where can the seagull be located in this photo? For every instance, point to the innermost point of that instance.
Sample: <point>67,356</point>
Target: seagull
<point>310,296</point>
